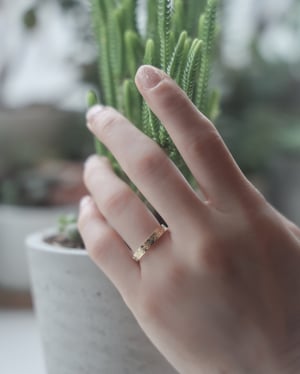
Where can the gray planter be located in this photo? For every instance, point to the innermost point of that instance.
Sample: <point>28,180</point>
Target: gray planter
<point>15,224</point>
<point>85,326</point>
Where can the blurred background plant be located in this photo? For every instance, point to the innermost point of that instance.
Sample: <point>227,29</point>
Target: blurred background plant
<point>46,65</point>
<point>261,80</point>
<point>259,71</point>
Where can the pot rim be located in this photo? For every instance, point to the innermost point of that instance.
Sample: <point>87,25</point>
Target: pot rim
<point>35,241</point>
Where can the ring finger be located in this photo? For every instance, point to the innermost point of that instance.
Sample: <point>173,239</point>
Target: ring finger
<point>120,206</point>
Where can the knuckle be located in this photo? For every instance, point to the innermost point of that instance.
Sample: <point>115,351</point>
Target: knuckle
<point>254,203</point>
<point>210,253</point>
<point>109,119</point>
<point>170,98</point>
<point>99,248</point>
<point>149,308</point>
<point>117,200</point>
<point>89,173</point>
<point>262,222</point>
<point>81,223</point>
<point>206,141</point>
<point>96,171</point>
<point>210,258</point>
<point>86,215</point>
<point>175,275</point>
<point>151,163</point>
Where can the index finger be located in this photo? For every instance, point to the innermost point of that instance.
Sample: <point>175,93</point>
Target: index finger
<point>195,137</point>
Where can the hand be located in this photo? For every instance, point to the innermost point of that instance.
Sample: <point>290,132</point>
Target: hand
<point>219,291</point>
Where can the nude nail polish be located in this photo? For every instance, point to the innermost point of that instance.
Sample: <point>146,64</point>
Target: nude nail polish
<point>148,77</point>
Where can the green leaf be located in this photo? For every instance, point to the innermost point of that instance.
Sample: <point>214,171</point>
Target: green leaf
<point>149,56</point>
<point>91,98</point>
<point>174,66</point>
<point>183,61</point>
<point>132,102</point>
<point>191,68</point>
<point>213,110</point>
<point>208,32</point>
<point>116,50</point>
<point>101,33</point>
<point>130,7</point>
<point>178,19</point>
<point>164,14</point>
<point>133,51</point>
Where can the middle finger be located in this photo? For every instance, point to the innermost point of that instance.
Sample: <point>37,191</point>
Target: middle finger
<point>147,166</point>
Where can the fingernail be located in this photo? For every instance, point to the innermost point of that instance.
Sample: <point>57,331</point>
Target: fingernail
<point>149,77</point>
<point>85,201</point>
<point>92,113</point>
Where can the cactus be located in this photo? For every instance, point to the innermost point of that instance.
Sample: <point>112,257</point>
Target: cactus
<point>179,39</point>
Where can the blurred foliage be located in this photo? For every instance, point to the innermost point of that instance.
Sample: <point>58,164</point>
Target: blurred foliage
<point>25,187</point>
<point>260,112</point>
<point>77,146</point>
<point>41,132</point>
<point>30,18</point>
<point>68,4</point>
<point>69,232</point>
<point>47,183</point>
<point>289,139</point>
<point>22,179</point>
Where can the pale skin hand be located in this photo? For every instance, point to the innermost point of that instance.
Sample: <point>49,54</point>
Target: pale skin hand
<point>220,291</point>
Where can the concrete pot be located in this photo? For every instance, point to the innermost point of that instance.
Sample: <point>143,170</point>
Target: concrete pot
<point>15,224</point>
<point>86,327</point>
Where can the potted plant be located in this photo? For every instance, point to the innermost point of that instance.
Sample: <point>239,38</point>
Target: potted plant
<point>29,181</point>
<point>85,325</point>
<point>33,127</point>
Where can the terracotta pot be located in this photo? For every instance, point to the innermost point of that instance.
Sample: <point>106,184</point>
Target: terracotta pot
<point>85,325</point>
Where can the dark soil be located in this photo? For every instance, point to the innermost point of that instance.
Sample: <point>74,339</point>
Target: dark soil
<point>62,241</point>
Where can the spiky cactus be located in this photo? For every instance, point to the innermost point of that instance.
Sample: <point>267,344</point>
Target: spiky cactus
<point>179,38</point>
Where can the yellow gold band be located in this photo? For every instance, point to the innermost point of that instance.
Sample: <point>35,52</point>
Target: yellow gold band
<point>157,233</point>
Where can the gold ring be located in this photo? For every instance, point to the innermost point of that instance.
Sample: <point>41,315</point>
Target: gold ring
<point>157,233</point>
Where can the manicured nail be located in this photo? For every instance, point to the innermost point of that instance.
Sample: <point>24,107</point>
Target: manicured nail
<point>149,77</point>
<point>85,201</point>
<point>92,113</point>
